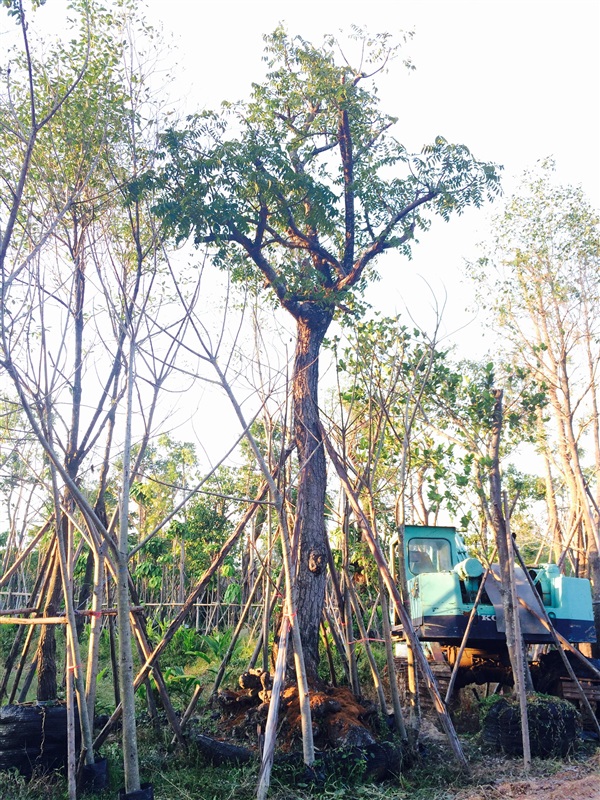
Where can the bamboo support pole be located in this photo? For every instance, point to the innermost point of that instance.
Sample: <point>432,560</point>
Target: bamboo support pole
<point>308,747</point>
<point>468,627</point>
<point>30,547</point>
<point>12,657</point>
<point>521,663</point>
<point>346,610</point>
<point>73,643</point>
<point>91,674</point>
<point>114,665</point>
<point>180,618</point>
<point>71,758</point>
<point>389,655</point>
<point>328,654</point>
<point>264,777</point>
<point>275,599</point>
<point>33,620</point>
<point>145,651</point>
<point>289,565</point>
<point>339,643</point>
<point>189,710</point>
<point>367,645</point>
<point>237,631</point>
<point>405,619</point>
<point>558,640</point>
<point>141,639</point>
<point>28,680</point>
<point>37,593</point>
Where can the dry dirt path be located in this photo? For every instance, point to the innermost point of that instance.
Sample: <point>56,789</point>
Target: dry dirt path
<point>567,784</point>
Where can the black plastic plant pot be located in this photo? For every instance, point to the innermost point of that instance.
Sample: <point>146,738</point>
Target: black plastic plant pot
<point>145,793</point>
<point>95,776</point>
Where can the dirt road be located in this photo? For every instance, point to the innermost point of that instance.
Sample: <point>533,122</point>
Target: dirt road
<point>568,784</point>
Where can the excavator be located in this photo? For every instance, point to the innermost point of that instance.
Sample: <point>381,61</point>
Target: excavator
<point>457,613</point>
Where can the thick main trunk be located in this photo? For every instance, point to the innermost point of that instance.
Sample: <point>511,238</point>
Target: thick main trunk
<point>310,534</point>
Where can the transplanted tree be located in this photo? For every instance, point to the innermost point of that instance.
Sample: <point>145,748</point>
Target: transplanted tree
<point>541,280</point>
<point>301,189</point>
<point>79,304</point>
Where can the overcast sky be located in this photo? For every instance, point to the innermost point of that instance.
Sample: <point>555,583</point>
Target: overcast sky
<point>515,81</point>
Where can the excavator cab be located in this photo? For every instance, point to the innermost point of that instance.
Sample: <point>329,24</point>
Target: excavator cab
<point>443,582</point>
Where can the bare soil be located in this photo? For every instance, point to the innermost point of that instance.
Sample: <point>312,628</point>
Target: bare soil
<point>573,782</point>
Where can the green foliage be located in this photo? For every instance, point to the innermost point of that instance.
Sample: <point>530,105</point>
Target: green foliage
<point>305,182</point>
<point>416,423</point>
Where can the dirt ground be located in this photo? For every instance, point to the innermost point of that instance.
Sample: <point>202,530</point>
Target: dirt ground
<point>570,783</point>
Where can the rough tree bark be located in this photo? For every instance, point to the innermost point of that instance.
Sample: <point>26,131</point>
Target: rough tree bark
<point>310,537</point>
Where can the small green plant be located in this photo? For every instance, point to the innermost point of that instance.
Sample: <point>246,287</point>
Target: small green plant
<point>213,647</point>
<point>180,683</point>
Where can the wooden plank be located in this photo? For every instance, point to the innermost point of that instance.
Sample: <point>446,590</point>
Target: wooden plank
<point>34,621</point>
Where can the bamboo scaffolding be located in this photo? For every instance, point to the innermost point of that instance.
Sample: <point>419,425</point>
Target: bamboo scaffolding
<point>375,549</point>
<point>180,618</point>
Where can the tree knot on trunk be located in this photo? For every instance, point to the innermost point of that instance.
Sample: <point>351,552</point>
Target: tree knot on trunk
<point>316,562</point>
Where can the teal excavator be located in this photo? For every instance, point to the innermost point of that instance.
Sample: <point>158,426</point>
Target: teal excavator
<point>445,585</point>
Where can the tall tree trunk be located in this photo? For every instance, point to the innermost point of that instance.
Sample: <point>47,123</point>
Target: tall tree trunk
<point>309,533</point>
<point>514,642</point>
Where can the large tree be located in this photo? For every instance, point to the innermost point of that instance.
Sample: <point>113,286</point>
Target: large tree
<point>541,277</point>
<point>301,189</point>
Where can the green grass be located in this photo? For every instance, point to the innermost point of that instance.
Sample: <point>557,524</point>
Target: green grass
<point>186,775</point>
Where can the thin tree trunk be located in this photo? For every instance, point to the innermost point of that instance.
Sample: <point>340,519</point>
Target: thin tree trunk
<point>514,642</point>
<point>126,673</point>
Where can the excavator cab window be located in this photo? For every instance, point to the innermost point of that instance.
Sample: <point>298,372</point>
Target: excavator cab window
<point>429,555</point>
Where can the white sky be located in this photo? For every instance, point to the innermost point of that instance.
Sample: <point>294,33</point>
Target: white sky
<point>515,81</point>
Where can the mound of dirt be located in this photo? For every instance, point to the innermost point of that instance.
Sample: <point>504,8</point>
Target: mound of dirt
<point>338,718</point>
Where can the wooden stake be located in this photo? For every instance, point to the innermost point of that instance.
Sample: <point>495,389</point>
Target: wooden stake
<point>264,777</point>
<point>405,619</point>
